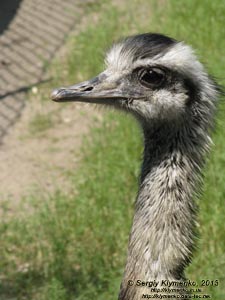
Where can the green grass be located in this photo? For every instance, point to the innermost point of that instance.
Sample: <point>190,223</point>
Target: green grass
<point>40,123</point>
<point>74,247</point>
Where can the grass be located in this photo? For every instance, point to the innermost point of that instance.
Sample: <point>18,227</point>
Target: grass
<point>73,247</point>
<point>40,123</point>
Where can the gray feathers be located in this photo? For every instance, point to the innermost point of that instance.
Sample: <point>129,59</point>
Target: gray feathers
<point>147,45</point>
<point>176,120</point>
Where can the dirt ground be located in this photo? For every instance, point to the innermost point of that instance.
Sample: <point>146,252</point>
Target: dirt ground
<point>37,163</point>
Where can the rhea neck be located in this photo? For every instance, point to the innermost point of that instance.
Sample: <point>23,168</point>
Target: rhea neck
<point>161,239</point>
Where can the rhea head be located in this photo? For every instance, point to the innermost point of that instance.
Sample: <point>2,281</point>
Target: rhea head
<point>150,75</point>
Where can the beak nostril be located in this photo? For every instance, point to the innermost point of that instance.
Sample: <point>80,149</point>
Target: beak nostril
<point>89,88</point>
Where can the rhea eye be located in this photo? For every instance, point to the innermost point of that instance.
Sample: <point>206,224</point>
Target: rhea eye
<point>153,77</point>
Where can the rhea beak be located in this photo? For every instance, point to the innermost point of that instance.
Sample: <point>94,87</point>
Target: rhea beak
<point>101,89</point>
<point>97,90</point>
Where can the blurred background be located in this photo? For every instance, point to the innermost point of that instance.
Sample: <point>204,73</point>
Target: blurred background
<point>69,172</point>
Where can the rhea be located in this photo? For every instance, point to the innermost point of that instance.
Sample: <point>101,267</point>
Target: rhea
<point>163,85</point>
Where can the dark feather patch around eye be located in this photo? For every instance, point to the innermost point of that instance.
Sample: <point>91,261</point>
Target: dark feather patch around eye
<point>152,77</point>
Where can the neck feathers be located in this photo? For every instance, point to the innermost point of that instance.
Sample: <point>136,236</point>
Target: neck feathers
<point>163,231</point>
